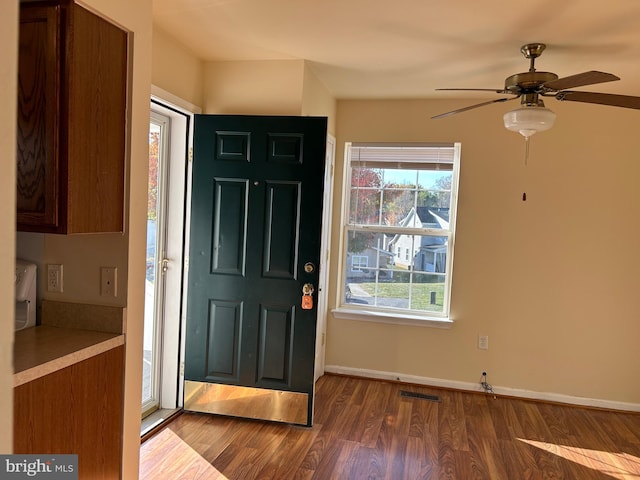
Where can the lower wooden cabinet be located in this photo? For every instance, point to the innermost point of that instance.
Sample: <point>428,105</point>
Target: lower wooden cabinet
<point>76,410</point>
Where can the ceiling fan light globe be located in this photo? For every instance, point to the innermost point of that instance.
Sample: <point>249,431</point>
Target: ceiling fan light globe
<point>529,120</point>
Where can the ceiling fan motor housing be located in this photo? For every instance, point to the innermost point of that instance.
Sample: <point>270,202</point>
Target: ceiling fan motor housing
<point>528,82</point>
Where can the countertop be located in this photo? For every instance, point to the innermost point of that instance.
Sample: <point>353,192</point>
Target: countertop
<point>42,350</point>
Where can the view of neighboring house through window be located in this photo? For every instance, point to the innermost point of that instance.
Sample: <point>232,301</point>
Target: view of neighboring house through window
<point>359,263</point>
<point>399,228</point>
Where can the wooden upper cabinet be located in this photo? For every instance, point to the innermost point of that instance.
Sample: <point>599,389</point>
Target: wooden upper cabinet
<point>72,97</point>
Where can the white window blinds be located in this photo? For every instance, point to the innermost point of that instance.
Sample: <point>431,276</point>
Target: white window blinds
<point>415,156</point>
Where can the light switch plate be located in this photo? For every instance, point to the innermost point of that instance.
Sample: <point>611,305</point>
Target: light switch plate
<point>108,281</point>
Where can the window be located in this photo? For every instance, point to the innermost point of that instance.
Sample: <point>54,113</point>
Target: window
<point>359,263</point>
<point>399,223</point>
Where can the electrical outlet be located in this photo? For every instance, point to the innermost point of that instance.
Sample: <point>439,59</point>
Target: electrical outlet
<point>483,342</point>
<point>54,278</point>
<point>108,281</point>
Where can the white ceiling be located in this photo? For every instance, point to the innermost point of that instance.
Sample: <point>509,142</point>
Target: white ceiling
<point>408,48</point>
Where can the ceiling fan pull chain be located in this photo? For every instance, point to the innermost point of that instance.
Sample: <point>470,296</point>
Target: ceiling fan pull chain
<point>526,158</point>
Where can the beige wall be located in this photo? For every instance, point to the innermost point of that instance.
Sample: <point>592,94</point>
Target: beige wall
<point>175,68</point>
<point>254,87</point>
<point>552,281</point>
<point>276,87</point>
<point>317,100</point>
<point>8,75</point>
<point>81,257</point>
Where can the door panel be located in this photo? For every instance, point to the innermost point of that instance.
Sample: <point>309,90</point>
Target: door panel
<point>274,348</point>
<point>282,217</point>
<point>223,336</point>
<point>255,221</point>
<point>229,226</point>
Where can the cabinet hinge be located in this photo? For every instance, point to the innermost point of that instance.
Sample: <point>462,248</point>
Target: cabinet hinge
<point>190,154</point>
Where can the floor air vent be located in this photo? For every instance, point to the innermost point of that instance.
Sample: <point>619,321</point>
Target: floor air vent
<point>422,396</point>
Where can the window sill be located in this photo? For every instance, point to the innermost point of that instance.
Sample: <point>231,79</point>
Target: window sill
<point>396,318</point>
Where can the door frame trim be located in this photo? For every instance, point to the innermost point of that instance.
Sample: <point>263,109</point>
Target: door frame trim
<point>325,256</point>
<point>171,101</point>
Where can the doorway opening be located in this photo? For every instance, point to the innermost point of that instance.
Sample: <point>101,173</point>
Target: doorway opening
<point>168,156</point>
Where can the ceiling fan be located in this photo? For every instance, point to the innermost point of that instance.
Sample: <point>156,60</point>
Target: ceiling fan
<point>531,86</point>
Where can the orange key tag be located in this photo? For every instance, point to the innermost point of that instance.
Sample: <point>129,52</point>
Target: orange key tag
<point>307,302</point>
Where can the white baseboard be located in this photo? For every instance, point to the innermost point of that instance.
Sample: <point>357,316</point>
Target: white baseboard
<point>475,387</point>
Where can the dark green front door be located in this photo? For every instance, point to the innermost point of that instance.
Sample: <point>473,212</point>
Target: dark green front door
<point>256,210</point>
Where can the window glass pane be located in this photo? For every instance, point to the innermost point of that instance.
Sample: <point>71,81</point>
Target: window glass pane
<point>396,205</point>
<point>427,292</point>
<point>435,179</point>
<point>369,248</point>
<point>426,253</point>
<point>399,177</point>
<point>364,205</point>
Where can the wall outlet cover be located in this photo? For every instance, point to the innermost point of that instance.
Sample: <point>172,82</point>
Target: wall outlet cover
<point>54,278</point>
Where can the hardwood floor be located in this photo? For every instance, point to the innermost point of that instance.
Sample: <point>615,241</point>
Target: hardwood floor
<point>365,429</point>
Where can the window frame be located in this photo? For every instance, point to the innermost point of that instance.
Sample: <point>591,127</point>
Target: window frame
<point>386,314</point>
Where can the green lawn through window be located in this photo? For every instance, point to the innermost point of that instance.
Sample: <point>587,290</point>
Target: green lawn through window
<point>420,293</point>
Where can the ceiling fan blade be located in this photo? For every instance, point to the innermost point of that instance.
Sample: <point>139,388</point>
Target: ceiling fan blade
<point>495,90</point>
<point>471,107</point>
<point>580,79</point>
<point>625,101</point>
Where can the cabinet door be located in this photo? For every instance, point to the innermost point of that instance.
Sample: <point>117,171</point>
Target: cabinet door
<point>76,410</point>
<point>94,130</point>
<point>38,106</point>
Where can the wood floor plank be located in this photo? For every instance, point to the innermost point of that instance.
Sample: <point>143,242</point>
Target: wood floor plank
<point>424,425</point>
<point>398,423</point>
<point>369,464</point>
<point>367,427</point>
<point>417,466</point>
<point>296,442</point>
<point>485,455</point>
<point>369,431</point>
